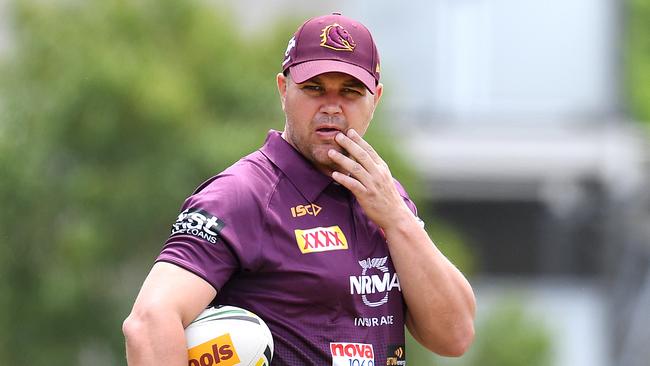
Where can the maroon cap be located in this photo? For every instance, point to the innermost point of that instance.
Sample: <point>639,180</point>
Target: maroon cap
<point>332,43</point>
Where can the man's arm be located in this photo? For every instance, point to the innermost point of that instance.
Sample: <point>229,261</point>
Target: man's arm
<point>170,298</point>
<point>440,301</point>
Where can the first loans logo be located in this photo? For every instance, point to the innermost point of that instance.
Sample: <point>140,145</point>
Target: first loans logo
<point>218,351</point>
<point>198,223</point>
<point>374,288</point>
<point>352,354</point>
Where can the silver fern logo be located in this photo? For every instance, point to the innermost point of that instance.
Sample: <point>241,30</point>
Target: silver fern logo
<point>374,283</point>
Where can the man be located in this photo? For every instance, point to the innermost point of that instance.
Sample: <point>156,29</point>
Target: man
<point>310,232</point>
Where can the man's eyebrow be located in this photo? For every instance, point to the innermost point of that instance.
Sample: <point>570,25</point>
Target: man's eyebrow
<point>351,82</point>
<point>315,80</point>
<point>354,82</point>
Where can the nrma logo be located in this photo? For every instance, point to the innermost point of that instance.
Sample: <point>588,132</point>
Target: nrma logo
<point>374,288</point>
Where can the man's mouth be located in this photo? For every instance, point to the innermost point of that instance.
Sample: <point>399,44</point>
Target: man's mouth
<point>327,132</point>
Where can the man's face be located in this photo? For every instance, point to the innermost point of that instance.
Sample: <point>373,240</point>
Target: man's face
<point>321,107</point>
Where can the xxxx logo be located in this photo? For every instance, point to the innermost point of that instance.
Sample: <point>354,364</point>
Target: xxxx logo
<point>321,239</point>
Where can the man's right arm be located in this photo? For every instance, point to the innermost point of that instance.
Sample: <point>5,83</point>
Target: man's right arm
<point>170,298</point>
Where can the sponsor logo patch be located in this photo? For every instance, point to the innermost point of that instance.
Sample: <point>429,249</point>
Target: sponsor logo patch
<point>199,223</point>
<point>396,355</point>
<point>217,351</point>
<point>375,283</point>
<point>335,37</point>
<point>309,209</point>
<point>352,354</point>
<point>374,321</point>
<point>321,239</point>
<point>290,45</point>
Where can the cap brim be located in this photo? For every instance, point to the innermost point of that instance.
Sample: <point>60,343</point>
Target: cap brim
<point>307,70</point>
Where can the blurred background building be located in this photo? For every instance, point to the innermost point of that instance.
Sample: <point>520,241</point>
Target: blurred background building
<point>514,114</point>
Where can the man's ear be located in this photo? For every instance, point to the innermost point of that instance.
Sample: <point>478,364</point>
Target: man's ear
<point>378,93</point>
<point>282,87</point>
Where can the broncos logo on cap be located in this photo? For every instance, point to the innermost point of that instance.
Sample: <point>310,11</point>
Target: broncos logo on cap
<point>337,38</point>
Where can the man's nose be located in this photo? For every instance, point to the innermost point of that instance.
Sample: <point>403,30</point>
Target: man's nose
<point>331,104</point>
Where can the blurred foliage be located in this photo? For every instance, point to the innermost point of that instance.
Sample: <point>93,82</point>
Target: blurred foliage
<point>452,243</point>
<point>510,337</point>
<point>111,112</point>
<point>505,336</point>
<point>637,59</point>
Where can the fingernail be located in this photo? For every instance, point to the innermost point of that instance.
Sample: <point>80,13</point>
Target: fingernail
<point>351,132</point>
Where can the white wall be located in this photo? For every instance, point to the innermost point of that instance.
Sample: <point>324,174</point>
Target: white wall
<point>464,60</point>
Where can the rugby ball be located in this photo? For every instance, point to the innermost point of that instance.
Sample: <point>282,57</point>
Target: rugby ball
<point>226,336</point>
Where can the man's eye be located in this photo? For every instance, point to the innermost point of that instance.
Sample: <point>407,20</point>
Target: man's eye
<point>312,87</point>
<point>351,91</point>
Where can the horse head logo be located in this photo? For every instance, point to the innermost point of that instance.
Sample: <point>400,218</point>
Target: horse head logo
<point>337,38</point>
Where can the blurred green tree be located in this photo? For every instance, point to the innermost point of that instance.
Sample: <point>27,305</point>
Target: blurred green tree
<point>507,336</point>
<point>637,59</point>
<point>111,112</point>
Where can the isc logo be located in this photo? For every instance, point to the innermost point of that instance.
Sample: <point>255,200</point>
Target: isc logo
<point>352,354</point>
<point>218,351</point>
<point>302,210</point>
<point>321,239</point>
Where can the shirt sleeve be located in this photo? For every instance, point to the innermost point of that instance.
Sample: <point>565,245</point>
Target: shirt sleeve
<point>216,232</point>
<point>408,201</point>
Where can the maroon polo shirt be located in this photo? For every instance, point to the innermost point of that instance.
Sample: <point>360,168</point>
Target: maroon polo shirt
<point>277,237</point>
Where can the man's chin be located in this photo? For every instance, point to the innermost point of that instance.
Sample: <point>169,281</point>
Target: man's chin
<point>324,164</point>
<point>322,149</point>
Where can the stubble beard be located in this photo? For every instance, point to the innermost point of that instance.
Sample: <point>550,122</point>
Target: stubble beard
<point>315,149</point>
<point>316,153</point>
